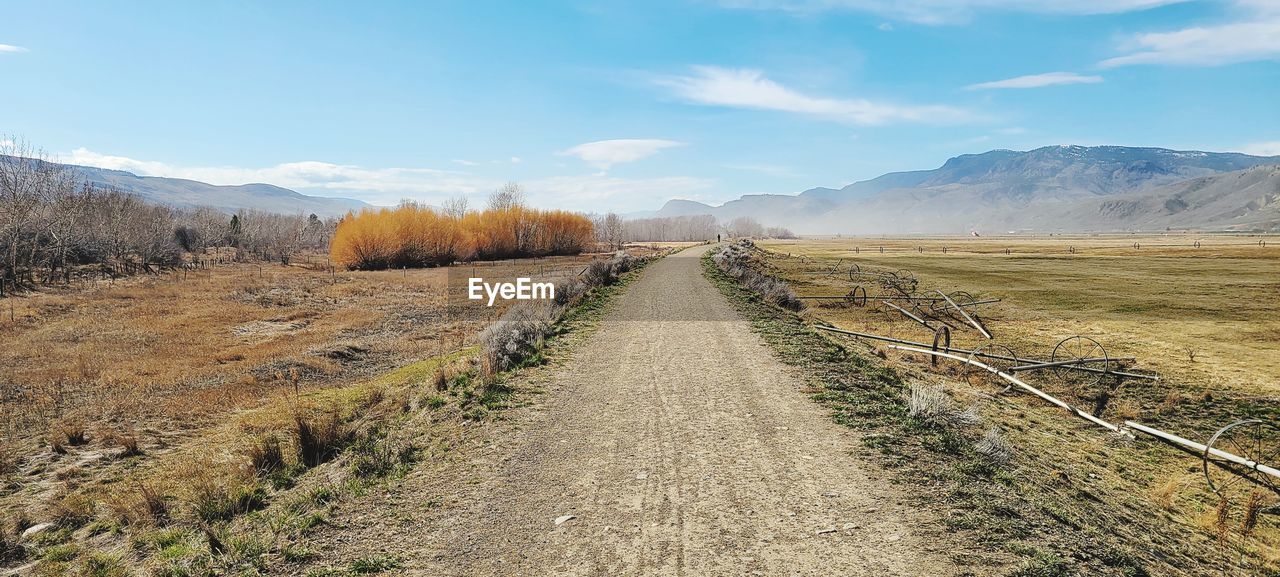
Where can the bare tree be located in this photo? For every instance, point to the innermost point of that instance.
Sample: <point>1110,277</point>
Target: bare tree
<point>612,230</point>
<point>456,207</point>
<point>511,195</point>
<point>746,227</point>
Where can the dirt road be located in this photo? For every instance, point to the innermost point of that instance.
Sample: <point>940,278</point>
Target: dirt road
<point>680,447</point>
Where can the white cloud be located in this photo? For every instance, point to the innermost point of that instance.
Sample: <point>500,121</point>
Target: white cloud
<point>603,154</point>
<point>9,48</point>
<point>1262,148</point>
<point>1037,81</point>
<point>465,162</point>
<point>885,27</point>
<point>387,186</point>
<point>747,88</point>
<point>1253,35</point>
<point>936,12</point>
<point>379,186</point>
<point>1205,46</point>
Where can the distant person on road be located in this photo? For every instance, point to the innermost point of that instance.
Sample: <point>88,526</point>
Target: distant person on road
<point>717,238</point>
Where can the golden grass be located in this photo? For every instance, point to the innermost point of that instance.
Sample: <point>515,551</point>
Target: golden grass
<point>1156,302</point>
<point>1160,303</point>
<point>154,400</point>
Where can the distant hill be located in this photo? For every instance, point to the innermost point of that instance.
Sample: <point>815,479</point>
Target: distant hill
<point>1055,188</point>
<point>178,192</point>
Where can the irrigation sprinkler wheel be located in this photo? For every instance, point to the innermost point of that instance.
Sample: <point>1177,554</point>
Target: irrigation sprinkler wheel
<point>941,342</point>
<point>1083,350</point>
<point>976,376</point>
<point>1256,440</point>
<point>855,272</point>
<point>907,282</point>
<point>960,297</point>
<point>857,296</point>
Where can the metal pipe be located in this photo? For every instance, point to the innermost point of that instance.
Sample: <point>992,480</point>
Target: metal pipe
<point>1059,364</point>
<point>902,298</point>
<point>1016,381</point>
<point>1202,449</point>
<point>986,355</point>
<point>976,324</point>
<point>909,315</point>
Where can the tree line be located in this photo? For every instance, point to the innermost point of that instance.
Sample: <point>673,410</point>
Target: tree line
<point>54,224</point>
<point>614,231</point>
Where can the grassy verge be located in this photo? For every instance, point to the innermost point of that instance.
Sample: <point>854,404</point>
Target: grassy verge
<point>1022,517</point>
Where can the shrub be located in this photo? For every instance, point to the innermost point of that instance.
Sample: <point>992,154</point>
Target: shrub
<point>72,510</point>
<point>518,334</point>
<point>376,456</point>
<point>569,291</point>
<point>735,261</point>
<point>994,447</point>
<point>599,273</point>
<point>147,506</point>
<point>932,405</point>
<point>67,433</point>
<point>221,499</point>
<point>266,456</point>
<point>413,236</point>
<point>320,439</point>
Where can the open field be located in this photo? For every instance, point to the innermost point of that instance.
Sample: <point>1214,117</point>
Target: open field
<point>170,383</point>
<point>1204,318</point>
<point>1157,302</point>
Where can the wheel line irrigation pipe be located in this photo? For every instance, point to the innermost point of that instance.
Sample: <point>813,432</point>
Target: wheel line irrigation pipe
<point>1024,386</point>
<point>1125,431</point>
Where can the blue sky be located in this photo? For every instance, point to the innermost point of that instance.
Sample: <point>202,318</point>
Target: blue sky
<point>607,105</point>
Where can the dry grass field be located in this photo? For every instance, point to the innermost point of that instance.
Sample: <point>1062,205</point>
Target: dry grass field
<point>1204,317</point>
<point>181,395</point>
<point>1159,302</point>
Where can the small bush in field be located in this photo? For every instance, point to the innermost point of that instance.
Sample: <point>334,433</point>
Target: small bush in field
<point>518,334</point>
<point>215,499</point>
<point>267,455</point>
<point>377,456</point>
<point>146,506</point>
<point>599,273</point>
<point>72,511</point>
<point>320,439</point>
<point>994,447</point>
<point>932,405</point>
<point>735,261</point>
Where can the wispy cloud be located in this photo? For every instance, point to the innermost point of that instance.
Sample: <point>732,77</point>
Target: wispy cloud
<point>603,154</point>
<point>937,12</point>
<point>9,48</point>
<point>1255,36</point>
<point>377,185</point>
<point>748,88</point>
<point>1037,81</point>
<point>387,186</point>
<point>1262,148</point>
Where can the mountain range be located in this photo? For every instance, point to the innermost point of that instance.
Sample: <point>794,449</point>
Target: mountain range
<point>1054,188</point>
<point>184,193</point>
